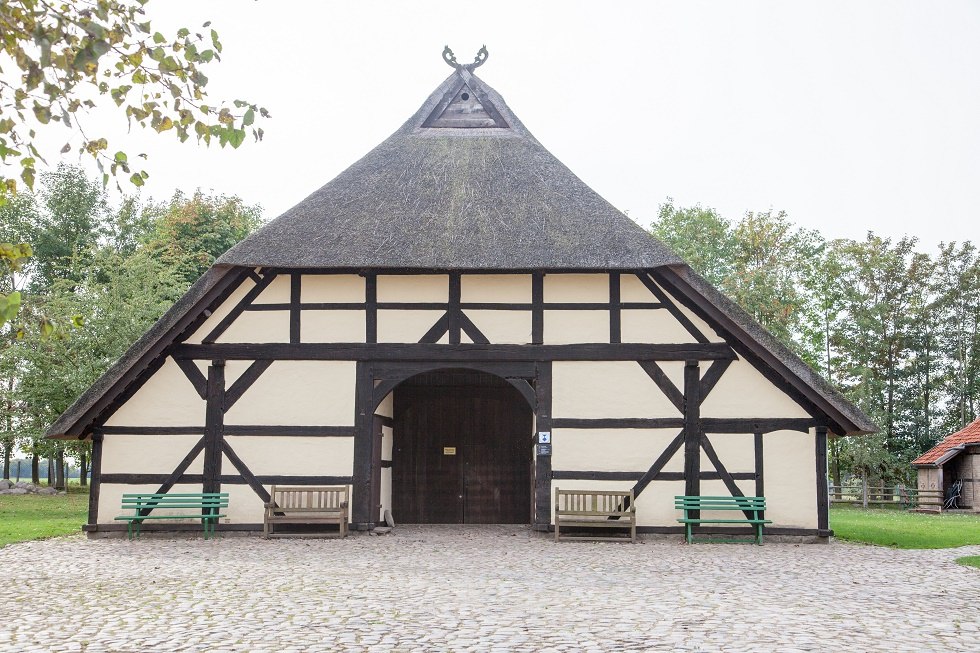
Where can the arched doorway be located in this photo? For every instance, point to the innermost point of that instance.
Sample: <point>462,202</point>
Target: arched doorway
<point>461,450</point>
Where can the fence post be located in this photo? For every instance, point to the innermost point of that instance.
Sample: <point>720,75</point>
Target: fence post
<point>864,492</point>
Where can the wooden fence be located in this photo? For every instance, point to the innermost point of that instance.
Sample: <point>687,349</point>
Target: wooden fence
<point>887,495</point>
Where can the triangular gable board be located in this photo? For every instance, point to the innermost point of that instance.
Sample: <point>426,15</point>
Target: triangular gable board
<point>463,109</point>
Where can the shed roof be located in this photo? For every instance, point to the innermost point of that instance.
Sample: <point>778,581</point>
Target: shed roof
<point>461,185</point>
<point>951,445</point>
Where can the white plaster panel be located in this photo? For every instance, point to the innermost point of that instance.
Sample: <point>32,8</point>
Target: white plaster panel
<point>790,472</point>
<point>387,406</point>
<point>496,288</point>
<point>328,288</point>
<point>654,507</point>
<point>277,292</point>
<point>332,326</point>
<point>299,393</point>
<point>503,327</point>
<point>220,312</point>
<point>148,454</point>
<point>413,288</point>
<point>405,326</point>
<point>166,399</point>
<point>700,324</point>
<point>385,491</point>
<point>110,501</point>
<point>674,371</point>
<point>632,289</point>
<point>576,288</point>
<point>743,392</point>
<point>258,326</point>
<point>294,456</point>
<point>593,389</point>
<point>736,451</point>
<point>244,505</point>
<point>387,442</point>
<point>653,325</point>
<point>608,450</point>
<point>572,327</point>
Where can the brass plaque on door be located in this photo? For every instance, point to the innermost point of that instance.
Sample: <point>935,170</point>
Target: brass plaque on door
<point>449,451</point>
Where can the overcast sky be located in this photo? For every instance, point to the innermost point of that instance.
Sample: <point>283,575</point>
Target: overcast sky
<point>850,116</point>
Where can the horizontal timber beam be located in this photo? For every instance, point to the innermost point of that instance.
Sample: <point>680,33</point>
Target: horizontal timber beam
<point>232,429</point>
<point>756,425</point>
<point>454,353</point>
<point>230,479</point>
<point>579,475</point>
<point>618,423</point>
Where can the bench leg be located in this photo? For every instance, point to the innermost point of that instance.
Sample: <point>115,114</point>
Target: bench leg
<point>557,528</point>
<point>688,534</point>
<point>633,532</point>
<point>758,534</point>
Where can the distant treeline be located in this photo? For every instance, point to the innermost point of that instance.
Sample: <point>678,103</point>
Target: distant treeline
<point>896,328</point>
<point>100,275</point>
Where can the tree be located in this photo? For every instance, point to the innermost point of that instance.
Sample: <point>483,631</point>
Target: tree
<point>190,233</point>
<point>700,236</point>
<point>59,56</point>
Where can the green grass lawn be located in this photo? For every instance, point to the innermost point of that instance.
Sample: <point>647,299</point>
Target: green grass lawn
<point>32,517</point>
<point>905,530</point>
<point>969,561</point>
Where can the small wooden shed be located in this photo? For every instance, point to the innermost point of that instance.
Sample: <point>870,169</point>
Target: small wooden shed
<point>955,459</point>
<point>453,327</point>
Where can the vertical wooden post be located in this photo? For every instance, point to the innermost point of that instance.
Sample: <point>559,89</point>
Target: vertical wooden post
<point>214,424</point>
<point>615,309</point>
<point>363,515</point>
<point>93,492</point>
<point>692,430</point>
<point>455,293</point>
<point>542,464</point>
<point>295,313</point>
<point>823,498</point>
<point>371,308</point>
<point>760,481</point>
<point>537,308</point>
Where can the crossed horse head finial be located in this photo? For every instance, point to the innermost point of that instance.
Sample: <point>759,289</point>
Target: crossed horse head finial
<point>450,58</point>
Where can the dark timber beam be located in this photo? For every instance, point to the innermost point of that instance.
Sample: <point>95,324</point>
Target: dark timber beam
<point>430,352</point>
<point>96,480</point>
<point>756,425</point>
<point>823,500</point>
<point>615,309</point>
<point>542,464</point>
<point>214,417</point>
<point>364,515</point>
<point>692,430</point>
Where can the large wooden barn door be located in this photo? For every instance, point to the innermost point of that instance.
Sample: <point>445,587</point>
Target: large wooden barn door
<point>462,451</point>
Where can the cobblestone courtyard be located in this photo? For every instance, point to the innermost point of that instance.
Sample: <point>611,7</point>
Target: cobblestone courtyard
<point>481,589</point>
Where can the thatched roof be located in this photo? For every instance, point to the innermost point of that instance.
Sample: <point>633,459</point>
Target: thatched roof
<point>455,197</point>
<point>462,185</point>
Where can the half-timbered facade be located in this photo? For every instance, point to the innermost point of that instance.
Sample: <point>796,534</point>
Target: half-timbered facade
<point>419,327</point>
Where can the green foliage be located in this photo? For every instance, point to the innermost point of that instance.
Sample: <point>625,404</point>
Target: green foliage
<point>111,273</point>
<point>190,233</point>
<point>63,55</point>
<point>897,330</point>
<point>905,530</point>
<point>34,517</point>
<point>969,561</point>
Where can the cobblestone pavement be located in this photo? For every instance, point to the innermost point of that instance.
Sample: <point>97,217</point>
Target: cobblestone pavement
<point>481,589</point>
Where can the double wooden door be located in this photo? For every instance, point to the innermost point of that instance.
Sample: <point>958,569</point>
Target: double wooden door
<point>461,455</point>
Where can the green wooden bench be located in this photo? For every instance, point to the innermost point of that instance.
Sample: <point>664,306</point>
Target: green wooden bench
<point>753,508</point>
<point>206,506</point>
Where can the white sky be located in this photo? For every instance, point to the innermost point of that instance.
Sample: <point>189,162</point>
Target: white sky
<point>851,116</point>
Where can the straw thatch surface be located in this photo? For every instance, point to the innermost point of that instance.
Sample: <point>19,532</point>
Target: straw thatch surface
<point>458,198</point>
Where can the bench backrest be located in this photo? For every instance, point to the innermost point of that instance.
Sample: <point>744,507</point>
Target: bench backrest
<point>719,503</point>
<point>594,502</point>
<point>178,501</point>
<point>309,498</point>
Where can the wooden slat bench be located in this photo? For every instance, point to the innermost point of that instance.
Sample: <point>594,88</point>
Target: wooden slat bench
<point>206,506</point>
<point>322,504</point>
<point>595,509</point>
<point>753,506</point>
